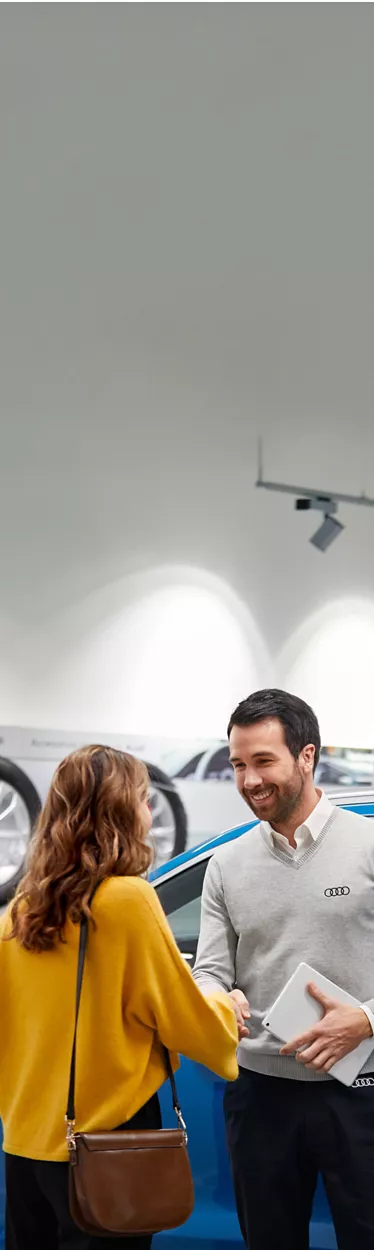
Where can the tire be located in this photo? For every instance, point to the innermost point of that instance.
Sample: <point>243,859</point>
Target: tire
<point>16,778</point>
<point>162,782</point>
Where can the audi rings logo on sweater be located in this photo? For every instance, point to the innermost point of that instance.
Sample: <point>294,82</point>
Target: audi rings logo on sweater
<point>336,890</point>
<point>362,1082</point>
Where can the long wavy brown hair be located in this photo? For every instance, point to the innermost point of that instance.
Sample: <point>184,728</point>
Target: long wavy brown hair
<point>90,828</point>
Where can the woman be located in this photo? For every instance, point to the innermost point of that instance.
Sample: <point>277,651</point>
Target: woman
<point>137,993</point>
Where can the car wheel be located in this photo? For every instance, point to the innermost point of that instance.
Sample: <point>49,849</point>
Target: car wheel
<point>19,809</point>
<point>169,820</point>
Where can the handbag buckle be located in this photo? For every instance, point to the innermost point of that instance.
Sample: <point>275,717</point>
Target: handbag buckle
<point>70,1140</point>
<point>182,1124</point>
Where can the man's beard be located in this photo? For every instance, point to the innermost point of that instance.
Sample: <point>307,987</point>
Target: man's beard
<point>284,800</point>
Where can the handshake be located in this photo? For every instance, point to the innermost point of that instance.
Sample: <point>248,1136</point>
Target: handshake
<point>242,1012</point>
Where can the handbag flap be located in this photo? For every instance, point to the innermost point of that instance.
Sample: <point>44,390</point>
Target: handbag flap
<point>159,1139</point>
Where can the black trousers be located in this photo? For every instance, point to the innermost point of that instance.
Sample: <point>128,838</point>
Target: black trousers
<point>281,1134</point>
<point>37,1205</point>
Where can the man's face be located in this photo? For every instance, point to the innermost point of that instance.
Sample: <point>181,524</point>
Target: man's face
<point>267,776</point>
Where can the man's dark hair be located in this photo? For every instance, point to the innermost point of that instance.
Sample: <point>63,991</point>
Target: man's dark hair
<point>298,719</point>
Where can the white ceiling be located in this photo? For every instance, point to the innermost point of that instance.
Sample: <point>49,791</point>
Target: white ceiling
<point>187,208</point>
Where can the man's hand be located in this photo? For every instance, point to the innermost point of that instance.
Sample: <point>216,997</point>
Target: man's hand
<point>341,1029</point>
<point>242,1012</point>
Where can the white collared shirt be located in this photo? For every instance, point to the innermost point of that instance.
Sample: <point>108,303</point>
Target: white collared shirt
<point>306,833</point>
<point>304,836</point>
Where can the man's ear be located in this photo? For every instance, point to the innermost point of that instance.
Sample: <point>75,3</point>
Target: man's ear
<point>307,756</point>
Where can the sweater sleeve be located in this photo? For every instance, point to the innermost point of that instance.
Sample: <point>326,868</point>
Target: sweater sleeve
<point>368,1008</point>
<point>168,1000</point>
<point>216,953</point>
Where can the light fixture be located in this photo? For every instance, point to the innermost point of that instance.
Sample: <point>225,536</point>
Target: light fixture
<point>326,533</point>
<point>330,528</point>
<point>313,500</point>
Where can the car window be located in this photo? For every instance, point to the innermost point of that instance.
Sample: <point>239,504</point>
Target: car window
<point>189,769</point>
<point>180,898</point>
<point>219,767</point>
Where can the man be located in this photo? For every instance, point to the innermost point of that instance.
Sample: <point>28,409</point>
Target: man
<point>268,904</point>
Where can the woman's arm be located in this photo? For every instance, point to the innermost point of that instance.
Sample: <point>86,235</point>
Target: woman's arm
<point>166,998</point>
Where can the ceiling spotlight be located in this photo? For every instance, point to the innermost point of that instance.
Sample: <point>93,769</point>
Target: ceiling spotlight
<point>326,533</point>
<point>330,528</point>
<point>313,500</point>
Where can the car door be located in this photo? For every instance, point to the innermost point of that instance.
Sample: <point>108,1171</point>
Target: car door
<point>201,1092</point>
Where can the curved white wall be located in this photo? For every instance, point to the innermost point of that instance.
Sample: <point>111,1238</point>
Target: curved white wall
<point>168,652</point>
<point>15,675</point>
<point>165,653</point>
<point>329,662</point>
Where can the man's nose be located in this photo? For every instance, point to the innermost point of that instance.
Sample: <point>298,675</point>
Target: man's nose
<point>252,778</point>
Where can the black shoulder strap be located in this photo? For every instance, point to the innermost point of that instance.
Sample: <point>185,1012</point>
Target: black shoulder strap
<point>70,1110</point>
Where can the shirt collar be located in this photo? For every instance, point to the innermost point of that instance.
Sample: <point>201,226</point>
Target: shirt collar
<point>319,816</point>
<point>314,823</point>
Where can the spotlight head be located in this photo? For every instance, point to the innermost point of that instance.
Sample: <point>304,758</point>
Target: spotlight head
<point>326,534</point>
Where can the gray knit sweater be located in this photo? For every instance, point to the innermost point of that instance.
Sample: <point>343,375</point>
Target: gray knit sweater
<point>264,911</point>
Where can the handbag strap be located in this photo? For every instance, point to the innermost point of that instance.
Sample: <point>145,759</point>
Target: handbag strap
<point>70,1110</point>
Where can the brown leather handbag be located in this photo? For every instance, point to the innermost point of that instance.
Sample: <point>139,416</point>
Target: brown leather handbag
<point>126,1182</point>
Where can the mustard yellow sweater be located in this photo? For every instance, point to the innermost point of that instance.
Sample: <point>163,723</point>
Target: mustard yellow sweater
<point>137,993</point>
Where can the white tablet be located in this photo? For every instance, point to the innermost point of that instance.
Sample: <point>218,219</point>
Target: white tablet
<point>295,1011</point>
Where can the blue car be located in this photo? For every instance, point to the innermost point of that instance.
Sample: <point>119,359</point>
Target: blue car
<point>213,1225</point>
